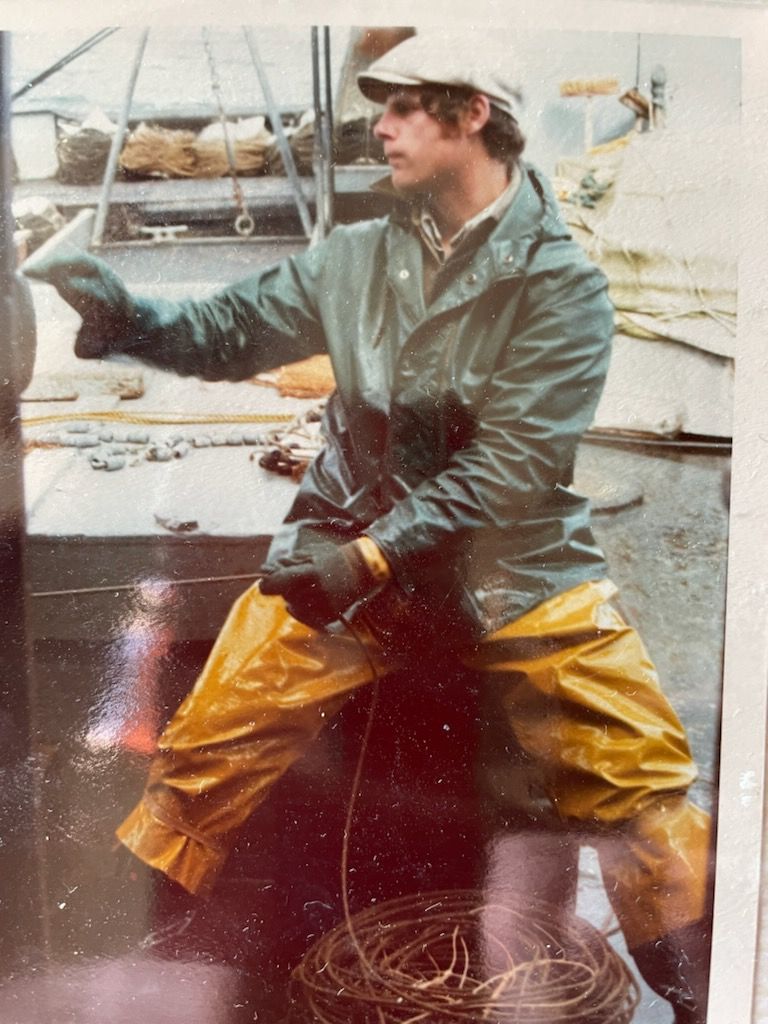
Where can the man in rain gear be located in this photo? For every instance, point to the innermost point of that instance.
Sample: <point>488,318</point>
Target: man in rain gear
<point>469,337</point>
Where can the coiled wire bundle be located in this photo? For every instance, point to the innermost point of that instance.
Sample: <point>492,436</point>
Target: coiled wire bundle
<point>438,958</point>
<point>441,957</point>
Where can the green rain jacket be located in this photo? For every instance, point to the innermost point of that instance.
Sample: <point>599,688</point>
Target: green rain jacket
<point>452,434</point>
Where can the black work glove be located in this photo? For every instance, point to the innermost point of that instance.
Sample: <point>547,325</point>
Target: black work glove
<point>322,584</point>
<point>94,291</point>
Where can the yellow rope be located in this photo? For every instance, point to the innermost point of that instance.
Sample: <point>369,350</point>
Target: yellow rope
<point>153,418</point>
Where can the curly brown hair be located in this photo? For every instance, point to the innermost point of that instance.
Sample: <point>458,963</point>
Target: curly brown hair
<point>501,134</point>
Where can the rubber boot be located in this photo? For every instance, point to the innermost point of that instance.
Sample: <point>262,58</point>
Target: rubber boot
<point>539,869</point>
<point>676,967</point>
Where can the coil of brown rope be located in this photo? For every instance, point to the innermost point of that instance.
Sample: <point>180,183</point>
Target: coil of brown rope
<point>440,957</point>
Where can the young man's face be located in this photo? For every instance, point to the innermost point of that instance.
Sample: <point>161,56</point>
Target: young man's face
<point>424,155</point>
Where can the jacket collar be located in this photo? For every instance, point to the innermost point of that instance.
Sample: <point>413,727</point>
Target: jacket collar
<point>532,215</point>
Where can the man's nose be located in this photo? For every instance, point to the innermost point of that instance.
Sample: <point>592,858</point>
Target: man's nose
<point>384,129</point>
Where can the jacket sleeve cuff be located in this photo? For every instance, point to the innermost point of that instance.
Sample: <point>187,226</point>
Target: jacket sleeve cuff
<point>374,559</point>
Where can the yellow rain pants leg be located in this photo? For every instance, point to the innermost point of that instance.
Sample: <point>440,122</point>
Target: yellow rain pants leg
<point>582,697</point>
<point>269,686</point>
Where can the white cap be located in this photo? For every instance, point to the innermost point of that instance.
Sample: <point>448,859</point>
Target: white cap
<point>434,57</point>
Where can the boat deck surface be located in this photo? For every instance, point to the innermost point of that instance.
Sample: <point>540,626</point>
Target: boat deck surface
<point>66,497</point>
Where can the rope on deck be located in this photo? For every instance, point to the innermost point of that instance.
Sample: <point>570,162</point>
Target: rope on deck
<point>450,956</point>
<point>158,418</point>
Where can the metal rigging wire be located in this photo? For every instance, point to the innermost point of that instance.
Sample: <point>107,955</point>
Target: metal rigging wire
<point>62,62</point>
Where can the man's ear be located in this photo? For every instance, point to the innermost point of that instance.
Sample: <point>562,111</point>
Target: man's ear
<point>476,113</point>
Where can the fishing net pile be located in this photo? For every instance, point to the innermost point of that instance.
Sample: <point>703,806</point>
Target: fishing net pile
<point>441,957</point>
<point>157,152</point>
<point>154,151</point>
<point>82,149</point>
<point>82,156</point>
<point>301,139</point>
<point>353,143</point>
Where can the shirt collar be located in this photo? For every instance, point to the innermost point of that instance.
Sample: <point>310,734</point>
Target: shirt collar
<point>426,225</point>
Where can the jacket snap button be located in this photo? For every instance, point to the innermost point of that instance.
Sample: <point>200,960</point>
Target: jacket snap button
<point>509,259</point>
<point>404,275</point>
<point>471,278</point>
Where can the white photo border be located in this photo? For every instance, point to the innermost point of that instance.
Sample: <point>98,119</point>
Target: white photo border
<point>739,990</point>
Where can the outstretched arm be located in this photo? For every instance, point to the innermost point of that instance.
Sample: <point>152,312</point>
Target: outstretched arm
<point>261,322</point>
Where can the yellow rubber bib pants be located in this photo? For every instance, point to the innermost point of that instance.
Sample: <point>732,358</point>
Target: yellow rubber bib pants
<point>581,698</point>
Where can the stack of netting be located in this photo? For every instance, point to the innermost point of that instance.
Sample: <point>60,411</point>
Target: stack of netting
<point>82,156</point>
<point>452,957</point>
<point>302,142</point>
<point>153,151</point>
<point>353,143</point>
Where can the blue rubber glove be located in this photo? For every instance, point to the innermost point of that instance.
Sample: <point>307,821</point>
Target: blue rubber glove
<point>94,291</point>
